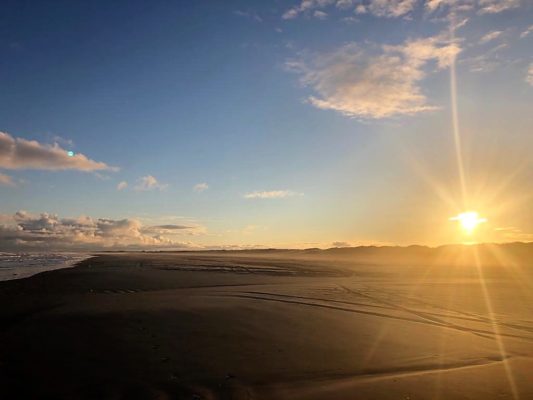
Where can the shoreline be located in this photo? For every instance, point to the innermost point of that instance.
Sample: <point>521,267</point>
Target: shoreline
<point>23,270</point>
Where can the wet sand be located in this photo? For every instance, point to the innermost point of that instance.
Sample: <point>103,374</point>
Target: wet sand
<point>268,325</point>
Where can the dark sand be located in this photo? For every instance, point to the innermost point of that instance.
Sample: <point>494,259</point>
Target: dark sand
<point>270,325</point>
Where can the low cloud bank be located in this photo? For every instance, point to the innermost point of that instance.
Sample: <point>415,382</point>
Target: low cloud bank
<point>24,231</point>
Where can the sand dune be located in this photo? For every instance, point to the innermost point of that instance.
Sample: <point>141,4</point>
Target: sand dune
<point>268,325</point>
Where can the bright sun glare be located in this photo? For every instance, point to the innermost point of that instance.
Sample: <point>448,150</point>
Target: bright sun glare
<point>468,221</point>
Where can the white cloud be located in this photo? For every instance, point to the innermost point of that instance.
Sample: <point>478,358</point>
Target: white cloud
<point>200,187</point>
<point>24,231</point>
<point>149,182</point>
<point>391,8</point>
<point>379,8</point>
<point>360,9</point>
<point>344,4</point>
<point>122,185</point>
<point>526,32</point>
<point>497,6</point>
<point>320,14</point>
<point>290,14</point>
<point>490,36</point>
<point>529,77</point>
<point>6,180</point>
<point>272,194</point>
<point>18,153</point>
<point>482,6</point>
<point>306,5</point>
<point>358,84</point>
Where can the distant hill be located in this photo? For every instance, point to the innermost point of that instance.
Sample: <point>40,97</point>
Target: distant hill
<point>517,253</point>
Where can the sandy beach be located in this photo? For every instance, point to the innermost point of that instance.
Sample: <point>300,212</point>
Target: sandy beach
<point>269,325</point>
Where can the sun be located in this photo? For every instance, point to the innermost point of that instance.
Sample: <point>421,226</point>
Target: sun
<point>468,220</point>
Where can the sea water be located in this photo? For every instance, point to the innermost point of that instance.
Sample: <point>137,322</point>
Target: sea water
<point>23,265</point>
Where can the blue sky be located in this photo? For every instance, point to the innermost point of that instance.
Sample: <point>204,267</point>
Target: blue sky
<point>307,123</point>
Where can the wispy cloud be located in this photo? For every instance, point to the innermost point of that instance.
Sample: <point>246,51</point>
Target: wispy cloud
<point>378,8</point>
<point>200,187</point>
<point>497,6</point>
<point>149,182</point>
<point>122,185</point>
<point>525,33</point>
<point>514,233</point>
<point>482,6</point>
<point>490,37</point>
<point>6,180</point>
<point>320,14</point>
<point>19,153</point>
<point>529,76</point>
<point>488,60</point>
<point>390,8</point>
<point>305,6</point>
<point>272,194</point>
<point>248,14</point>
<point>358,83</point>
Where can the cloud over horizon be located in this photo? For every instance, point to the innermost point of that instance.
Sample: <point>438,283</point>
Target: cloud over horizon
<point>48,231</point>
<point>272,194</point>
<point>19,153</point>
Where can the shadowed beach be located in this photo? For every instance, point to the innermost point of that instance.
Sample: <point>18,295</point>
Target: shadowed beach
<point>313,324</point>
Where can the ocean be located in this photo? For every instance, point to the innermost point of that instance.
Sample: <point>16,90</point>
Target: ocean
<point>23,265</point>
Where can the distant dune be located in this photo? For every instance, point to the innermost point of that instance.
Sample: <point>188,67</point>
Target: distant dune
<point>520,253</point>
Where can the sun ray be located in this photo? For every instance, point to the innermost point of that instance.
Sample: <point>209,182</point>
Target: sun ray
<point>495,327</point>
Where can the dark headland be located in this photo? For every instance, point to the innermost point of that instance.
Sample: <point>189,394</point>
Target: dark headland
<point>454,322</point>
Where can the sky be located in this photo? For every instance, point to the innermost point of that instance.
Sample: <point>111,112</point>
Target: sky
<point>244,124</point>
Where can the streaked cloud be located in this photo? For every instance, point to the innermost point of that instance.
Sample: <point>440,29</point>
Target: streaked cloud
<point>25,231</point>
<point>272,194</point>
<point>122,185</point>
<point>529,76</point>
<point>512,233</point>
<point>248,14</point>
<point>200,187</point>
<point>359,83</point>
<point>378,8</point>
<point>497,6</point>
<point>19,153</point>
<point>149,182</point>
<point>487,61</point>
<point>482,6</point>
<point>345,4</point>
<point>528,31</point>
<point>6,180</point>
<point>490,37</point>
